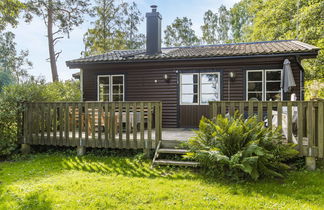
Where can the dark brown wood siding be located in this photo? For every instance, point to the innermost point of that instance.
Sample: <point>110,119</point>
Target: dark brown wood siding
<point>140,81</point>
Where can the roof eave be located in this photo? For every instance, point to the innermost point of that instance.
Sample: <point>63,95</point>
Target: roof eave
<point>302,55</point>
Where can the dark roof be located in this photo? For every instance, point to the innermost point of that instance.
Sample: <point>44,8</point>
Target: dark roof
<point>204,51</point>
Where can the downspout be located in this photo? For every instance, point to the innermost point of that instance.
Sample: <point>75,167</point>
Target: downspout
<point>81,84</point>
<point>301,79</point>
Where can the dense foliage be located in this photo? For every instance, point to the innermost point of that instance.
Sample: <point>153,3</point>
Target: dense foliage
<point>180,33</point>
<point>116,27</point>
<point>314,89</point>
<point>240,149</point>
<point>10,105</point>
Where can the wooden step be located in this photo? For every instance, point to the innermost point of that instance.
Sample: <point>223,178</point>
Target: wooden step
<point>171,143</point>
<point>172,151</point>
<point>176,163</point>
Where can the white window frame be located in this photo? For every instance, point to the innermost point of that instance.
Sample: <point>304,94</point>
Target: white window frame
<point>264,83</point>
<point>199,87</point>
<point>110,94</point>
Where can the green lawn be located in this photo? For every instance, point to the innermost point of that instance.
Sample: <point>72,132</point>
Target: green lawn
<point>61,181</point>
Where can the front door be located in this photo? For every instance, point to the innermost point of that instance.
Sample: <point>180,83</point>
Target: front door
<point>196,90</point>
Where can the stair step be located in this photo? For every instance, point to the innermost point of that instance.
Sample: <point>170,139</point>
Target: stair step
<point>173,151</point>
<point>176,163</point>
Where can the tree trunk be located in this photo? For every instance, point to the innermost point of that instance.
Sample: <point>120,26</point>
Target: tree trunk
<point>51,42</point>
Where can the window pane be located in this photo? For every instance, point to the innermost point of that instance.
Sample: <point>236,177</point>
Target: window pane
<point>273,75</point>
<point>273,96</point>
<point>273,86</point>
<point>205,98</point>
<point>104,80</point>
<point>104,89</point>
<point>189,78</point>
<point>254,96</point>
<point>104,98</point>
<point>189,99</point>
<point>117,97</point>
<point>209,88</point>
<point>189,89</point>
<point>255,76</point>
<point>117,80</point>
<point>118,89</point>
<point>209,78</point>
<point>255,86</point>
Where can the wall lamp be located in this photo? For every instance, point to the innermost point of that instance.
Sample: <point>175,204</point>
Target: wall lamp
<point>166,77</point>
<point>232,75</point>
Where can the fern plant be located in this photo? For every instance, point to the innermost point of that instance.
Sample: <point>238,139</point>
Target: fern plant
<point>240,148</point>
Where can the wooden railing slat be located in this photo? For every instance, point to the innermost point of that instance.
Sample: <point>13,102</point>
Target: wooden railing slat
<point>134,109</point>
<point>120,125</point>
<point>128,126</point>
<point>320,129</point>
<point>66,127</point>
<point>142,124</point>
<point>300,127</point>
<point>99,139</point>
<point>106,145</point>
<point>289,113</point>
<point>113,126</point>
<point>149,126</point>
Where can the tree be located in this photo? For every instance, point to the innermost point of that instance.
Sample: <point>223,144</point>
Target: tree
<point>9,11</point>
<point>60,17</point>
<point>292,19</point>
<point>116,28</point>
<point>240,18</point>
<point>209,29</point>
<point>180,33</point>
<point>223,24</point>
<point>13,65</point>
<point>134,39</point>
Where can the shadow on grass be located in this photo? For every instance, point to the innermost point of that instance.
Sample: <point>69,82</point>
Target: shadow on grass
<point>127,166</point>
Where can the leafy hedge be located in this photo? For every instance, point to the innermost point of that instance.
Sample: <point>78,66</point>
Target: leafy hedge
<point>13,95</point>
<point>240,149</point>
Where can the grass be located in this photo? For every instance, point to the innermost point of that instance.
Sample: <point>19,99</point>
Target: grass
<point>64,181</point>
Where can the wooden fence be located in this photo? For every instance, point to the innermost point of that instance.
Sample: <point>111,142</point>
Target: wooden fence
<point>129,125</point>
<point>302,122</point>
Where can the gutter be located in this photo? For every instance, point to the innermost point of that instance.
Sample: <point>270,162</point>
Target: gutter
<point>79,64</point>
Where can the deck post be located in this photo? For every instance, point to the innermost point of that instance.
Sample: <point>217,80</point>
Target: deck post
<point>81,150</point>
<point>310,163</point>
<point>25,149</point>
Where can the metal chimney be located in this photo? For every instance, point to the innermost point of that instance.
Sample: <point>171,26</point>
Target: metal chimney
<point>153,32</point>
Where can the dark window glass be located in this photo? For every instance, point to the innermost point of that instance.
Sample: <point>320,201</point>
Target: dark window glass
<point>273,75</point>
<point>104,80</point>
<point>255,76</point>
<point>118,80</point>
<point>255,96</point>
<point>273,96</point>
<point>255,86</point>
<point>273,86</point>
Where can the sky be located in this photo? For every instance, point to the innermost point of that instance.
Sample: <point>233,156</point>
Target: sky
<point>32,36</point>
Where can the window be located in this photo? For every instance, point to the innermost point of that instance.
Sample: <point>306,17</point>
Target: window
<point>199,88</point>
<point>264,85</point>
<point>111,88</point>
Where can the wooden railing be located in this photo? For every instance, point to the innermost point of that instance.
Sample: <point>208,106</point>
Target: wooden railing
<point>302,122</point>
<point>128,125</point>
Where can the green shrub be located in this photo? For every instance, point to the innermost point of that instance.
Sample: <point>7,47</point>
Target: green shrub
<point>63,91</point>
<point>240,149</point>
<point>12,95</point>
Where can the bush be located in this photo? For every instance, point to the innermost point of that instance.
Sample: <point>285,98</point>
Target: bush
<point>13,95</point>
<point>240,149</point>
<point>10,97</point>
<point>63,91</point>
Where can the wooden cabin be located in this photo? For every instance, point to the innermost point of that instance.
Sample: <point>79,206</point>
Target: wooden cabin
<point>185,79</point>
